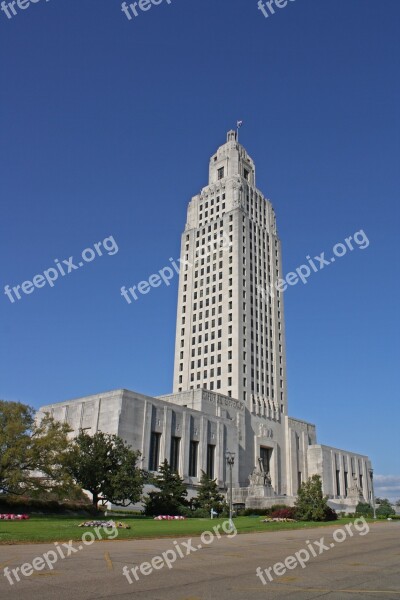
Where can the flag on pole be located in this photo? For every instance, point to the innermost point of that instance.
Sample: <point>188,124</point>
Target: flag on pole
<point>239,124</point>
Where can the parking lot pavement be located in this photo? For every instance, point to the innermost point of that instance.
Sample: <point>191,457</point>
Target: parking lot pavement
<point>345,567</point>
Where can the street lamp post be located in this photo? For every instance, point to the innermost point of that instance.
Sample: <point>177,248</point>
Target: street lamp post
<point>230,459</point>
<point>371,474</point>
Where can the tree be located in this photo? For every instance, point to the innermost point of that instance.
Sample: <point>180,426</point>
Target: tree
<point>107,467</point>
<point>311,504</point>
<point>385,509</point>
<point>397,503</point>
<point>208,496</point>
<point>364,509</point>
<point>170,498</point>
<point>31,452</point>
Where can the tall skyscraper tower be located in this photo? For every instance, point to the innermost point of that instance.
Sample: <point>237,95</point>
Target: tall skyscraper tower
<point>230,374</point>
<point>230,321</point>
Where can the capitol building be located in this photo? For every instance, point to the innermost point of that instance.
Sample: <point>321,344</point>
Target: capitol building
<point>229,387</point>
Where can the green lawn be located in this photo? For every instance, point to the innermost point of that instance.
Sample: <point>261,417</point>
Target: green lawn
<point>58,528</point>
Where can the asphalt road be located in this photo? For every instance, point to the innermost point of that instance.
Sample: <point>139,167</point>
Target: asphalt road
<point>340,566</point>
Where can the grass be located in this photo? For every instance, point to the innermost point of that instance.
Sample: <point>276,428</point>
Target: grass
<point>39,529</point>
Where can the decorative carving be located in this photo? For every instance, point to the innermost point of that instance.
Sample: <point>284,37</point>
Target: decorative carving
<point>264,431</point>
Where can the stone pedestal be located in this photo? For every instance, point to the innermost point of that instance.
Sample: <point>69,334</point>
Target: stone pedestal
<point>261,491</point>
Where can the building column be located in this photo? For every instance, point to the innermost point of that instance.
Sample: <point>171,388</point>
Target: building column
<point>146,433</point>
<point>220,454</point>
<point>366,478</point>
<point>167,424</point>
<point>203,438</point>
<point>341,476</point>
<point>304,446</point>
<point>289,462</point>
<point>185,445</point>
<point>275,468</point>
<point>333,467</point>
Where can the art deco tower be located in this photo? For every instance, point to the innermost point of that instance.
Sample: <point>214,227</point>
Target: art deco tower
<point>230,322</point>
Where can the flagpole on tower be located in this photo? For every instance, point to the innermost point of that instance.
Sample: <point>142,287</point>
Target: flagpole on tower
<point>238,126</point>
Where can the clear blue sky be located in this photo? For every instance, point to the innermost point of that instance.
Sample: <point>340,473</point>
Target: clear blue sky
<point>106,128</point>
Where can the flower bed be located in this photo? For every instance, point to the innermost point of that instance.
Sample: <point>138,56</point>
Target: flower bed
<point>107,524</point>
<point>278,520</point>
<point>168,518</point>
<point>9,517</point>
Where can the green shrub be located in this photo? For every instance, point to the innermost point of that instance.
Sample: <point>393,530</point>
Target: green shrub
<point>363,509</point>
<point>170,497</point>
<point>330,514</point>
<point>249,512</point>
<point>195,513</point>
<point>384,511</point>
<point>25,504</point>
<point>311,504</point>
<point>208,495</point>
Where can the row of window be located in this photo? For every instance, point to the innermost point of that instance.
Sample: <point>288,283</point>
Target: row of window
<point>262,242</point>
<point>210,203</point>
<point>256,207</point>
<point>208,216</point>
<point>261,408</point>
<point>175,455</point>
<point>346,482</point>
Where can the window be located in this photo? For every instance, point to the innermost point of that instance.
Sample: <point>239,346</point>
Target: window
<point>221,173</point>
<point>210,460</point>
<point>154,451</point>
<point>174,455</point>
<point>193,453</point>
<point>246,174</point>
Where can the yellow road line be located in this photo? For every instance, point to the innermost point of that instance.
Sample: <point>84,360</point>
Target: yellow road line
<point>108,561</point>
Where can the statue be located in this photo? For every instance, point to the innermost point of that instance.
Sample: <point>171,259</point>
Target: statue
<point>259,477</point>
<point>254,477</point>
<point>355,490</point>
<point>267,479</point>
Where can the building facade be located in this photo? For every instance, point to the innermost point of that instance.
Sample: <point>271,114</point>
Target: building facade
<point>229,389</point>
